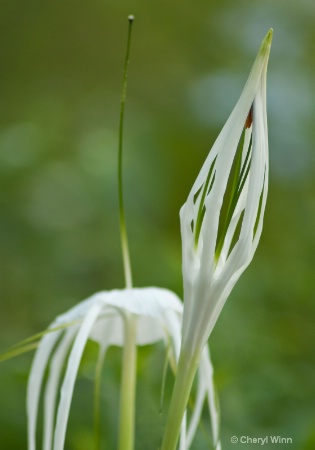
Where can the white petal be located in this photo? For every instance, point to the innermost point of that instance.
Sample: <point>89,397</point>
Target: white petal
<point>158,312</point>
<point>108,330</point>
<point>196,415</point>
<point>35,382</point>
<point>78,311</point>
<point>71,373</point>
<point>147,301</point>
<point>207,369</point>
<point>56,365</point>
<point>205,388</point>
<point>183,434</point>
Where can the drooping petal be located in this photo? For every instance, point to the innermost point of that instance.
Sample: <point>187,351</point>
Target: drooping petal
<point>71,374</point>
<point>101,318</point>
<point>205,389</point>
<point>56,365</point>
<point>196,415</point>
<point>183,434</point>
<point>35,382</point>
<point>207,369</point>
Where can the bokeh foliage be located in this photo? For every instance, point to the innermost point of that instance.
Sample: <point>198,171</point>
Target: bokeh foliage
<point>61,67</point>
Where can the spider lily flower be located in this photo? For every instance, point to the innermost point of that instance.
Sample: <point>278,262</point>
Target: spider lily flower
<point>103,318</point>
<point>221,223</point>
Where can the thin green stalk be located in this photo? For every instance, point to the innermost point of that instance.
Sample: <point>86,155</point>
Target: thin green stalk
<point>122,221</point>
<point>128,386</point>
<point>32,342</point>
<point>165,366</point>
<point>97,394</point>
<point>186,371</point>
<point>18,351</point>
<point>129,361</point>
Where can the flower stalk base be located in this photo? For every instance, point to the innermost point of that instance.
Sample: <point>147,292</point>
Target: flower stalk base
<point>128,386</point>
<point>185,374</point>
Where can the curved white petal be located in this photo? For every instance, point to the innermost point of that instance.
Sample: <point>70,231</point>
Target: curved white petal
<point>108,330</point>
<point>71,373</point>
<point>101,317</point>
<point>183,434</point>
<point>205,389</point>
<point>56,365</point>
<point>35,382</point>
<point>158,311</point>
<point>207,369</point>
<point>196,415</point>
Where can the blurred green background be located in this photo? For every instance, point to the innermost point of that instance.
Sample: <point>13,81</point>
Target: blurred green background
<point>61,69</point>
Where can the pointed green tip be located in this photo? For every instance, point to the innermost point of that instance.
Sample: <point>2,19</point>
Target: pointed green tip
<point>269,35</point>
<point>270,32</point>
<point>266,43</point>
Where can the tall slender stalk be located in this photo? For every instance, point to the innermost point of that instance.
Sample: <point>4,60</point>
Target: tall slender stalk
<point>122,221</point>
<point>129,361</point>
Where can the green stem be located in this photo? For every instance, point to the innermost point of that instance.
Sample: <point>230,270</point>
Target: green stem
<point>122,221</point>
<point>129,362</point>
<point>97,395</point>
<point>128,386</point>
<point>187,367</point>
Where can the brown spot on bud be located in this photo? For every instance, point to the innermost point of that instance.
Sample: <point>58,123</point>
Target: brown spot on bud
<point>249,119</point>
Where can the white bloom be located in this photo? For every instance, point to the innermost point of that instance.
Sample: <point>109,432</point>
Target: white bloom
<point>102,317</point>
<point>221,221</point>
